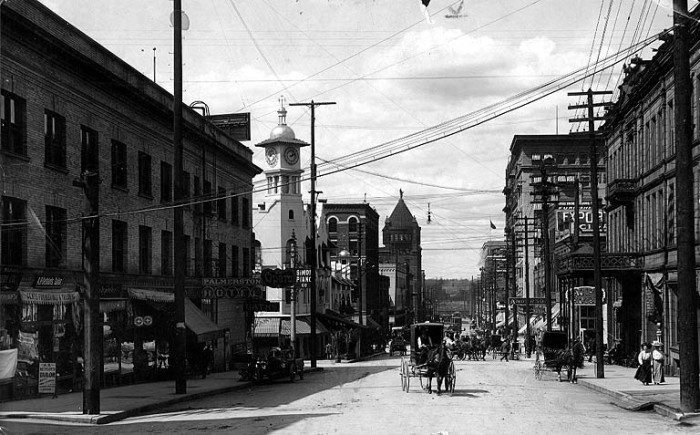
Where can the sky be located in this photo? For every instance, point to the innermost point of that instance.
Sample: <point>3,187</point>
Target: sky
<point>392,74</point>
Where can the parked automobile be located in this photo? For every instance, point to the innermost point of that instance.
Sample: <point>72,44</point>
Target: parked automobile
<point>278,363</point>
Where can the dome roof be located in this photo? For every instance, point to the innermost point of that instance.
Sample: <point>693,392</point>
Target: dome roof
<point>282,132</point>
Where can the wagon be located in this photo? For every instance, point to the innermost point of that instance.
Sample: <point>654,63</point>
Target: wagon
<point>552,355</point>
<point>415,366</point>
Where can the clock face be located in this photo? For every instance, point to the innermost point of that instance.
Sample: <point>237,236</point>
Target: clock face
<point>271,156</point>
<point>291,155</point>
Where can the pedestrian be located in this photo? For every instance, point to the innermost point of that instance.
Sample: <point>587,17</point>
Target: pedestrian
<point>205,360</point>
<point>329,350</point>
<point>643,373</point>
<point>658,363</point>
<point>505,349</point>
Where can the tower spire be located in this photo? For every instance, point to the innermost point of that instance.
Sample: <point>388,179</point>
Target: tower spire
<point>282,112</point>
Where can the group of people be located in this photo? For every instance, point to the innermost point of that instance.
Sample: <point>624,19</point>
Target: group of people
<point>651,364</point>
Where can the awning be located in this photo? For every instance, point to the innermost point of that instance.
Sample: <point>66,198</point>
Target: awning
<point>151,295</point>
<point>302,327</point>
<point>266,327</point>
<point>200,324</point>
<point>48,297</point>
<point>343,281</point>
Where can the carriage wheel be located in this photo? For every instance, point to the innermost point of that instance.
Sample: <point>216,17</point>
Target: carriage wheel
<point>402,373</point>
<point>538,370</point>
<point>408,377</point>
<point>452,378</point>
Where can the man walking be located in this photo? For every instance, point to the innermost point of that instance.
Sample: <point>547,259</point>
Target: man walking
<point>505,349</point>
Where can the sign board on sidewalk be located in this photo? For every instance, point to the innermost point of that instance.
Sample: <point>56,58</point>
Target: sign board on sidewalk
<point>47,378</point>
<point>523,301</point>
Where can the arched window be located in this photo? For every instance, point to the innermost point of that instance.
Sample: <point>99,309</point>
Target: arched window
<point>352,225</point>
<point>332,225</point>
<point>291,214</point>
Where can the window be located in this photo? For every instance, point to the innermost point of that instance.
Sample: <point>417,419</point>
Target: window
<point>14,231</point>
<point>285,184</point>
<point>145,249</point>
<point>207,258</point>
<point>186,185</point>
<point>197,195</point>
<point>166,182</point>
<point>332,225</point>
<point>222,260</point>
<point>234,210</point>
<point>352,225</point>
<point>119,246</point>
<point>536,157</point>
<point>291,214</point>
<point>587,317</point>
<point>55,236</point>
<point>246,213</point>
<point>188,267</point>
<point>12,115</point>
<point>207,195</point>
<point>145,182</point>
<point>197,257</point>
<point>234,262</point>
<point>54,139</point>
<point>246,262</point>
<point>166,249</point>
<point>119,174</point>
<point>89,154</point>
<point>221,204</point>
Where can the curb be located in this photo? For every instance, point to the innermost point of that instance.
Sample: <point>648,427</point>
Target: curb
<point>121,415</point>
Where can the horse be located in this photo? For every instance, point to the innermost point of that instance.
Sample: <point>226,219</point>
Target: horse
<point>437,365</point>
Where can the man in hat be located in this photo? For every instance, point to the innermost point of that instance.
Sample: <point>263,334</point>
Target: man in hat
<point>657,357</point>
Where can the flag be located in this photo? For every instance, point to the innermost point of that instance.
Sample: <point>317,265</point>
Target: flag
<point>493,227</point>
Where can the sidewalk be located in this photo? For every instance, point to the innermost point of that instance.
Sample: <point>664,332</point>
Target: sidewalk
<point>118,403</point>
<point>630,394</point>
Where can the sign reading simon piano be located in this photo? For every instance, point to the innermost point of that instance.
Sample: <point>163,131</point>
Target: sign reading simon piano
<point>230,288</point>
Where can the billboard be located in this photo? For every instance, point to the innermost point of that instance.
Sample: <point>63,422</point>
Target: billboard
<point>236,125</point>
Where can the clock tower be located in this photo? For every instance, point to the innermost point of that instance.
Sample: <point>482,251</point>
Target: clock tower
<point>282,158</point>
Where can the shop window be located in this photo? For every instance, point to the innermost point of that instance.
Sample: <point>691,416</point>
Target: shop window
<point>55,236</point>
<point>166,182</point>
<point>54,139</point>
<point>145,249</point>
<point>119,172</point>
<point>119,246</point>
<point>14,231</point>
<point>12,116</point>
<point>145,176</point>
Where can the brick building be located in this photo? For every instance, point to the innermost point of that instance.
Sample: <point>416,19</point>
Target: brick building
<point>69,105</point>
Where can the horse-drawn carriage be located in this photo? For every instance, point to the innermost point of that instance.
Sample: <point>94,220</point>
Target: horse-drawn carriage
<point>553,354</point>
<point>429,358</point>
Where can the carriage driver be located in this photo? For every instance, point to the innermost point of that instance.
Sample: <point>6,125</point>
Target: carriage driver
<point>425,343</point>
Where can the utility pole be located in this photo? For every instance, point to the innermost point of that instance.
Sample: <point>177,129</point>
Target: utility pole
<point>505,289</point>
<point>90,182</point>
<point>314,255</point>
<point>180,348</point>
<point>687,298</point>
<point>597,280</point>
<point>527,292</point>
<point>544,230</point>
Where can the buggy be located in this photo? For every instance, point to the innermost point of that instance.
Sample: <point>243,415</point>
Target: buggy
<point>553,354</point>
<point>426,363</point>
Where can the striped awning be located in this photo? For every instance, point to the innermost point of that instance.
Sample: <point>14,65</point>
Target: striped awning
<point>151,295</point>
<point>302,327</point>
<point>48,297</point>
<point>266,327</point>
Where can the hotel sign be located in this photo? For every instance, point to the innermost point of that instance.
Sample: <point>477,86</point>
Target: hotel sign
<point>231,288</point>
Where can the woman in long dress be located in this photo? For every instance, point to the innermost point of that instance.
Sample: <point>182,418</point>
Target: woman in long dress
<point>643,373</point>
<point>658,363</point>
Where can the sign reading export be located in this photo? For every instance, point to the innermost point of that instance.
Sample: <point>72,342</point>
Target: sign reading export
<point>523,301</point>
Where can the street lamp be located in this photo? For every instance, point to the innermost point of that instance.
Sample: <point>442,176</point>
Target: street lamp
<point>345,254</point>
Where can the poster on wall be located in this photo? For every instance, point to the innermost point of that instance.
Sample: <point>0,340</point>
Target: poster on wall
<point>47,378</point>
